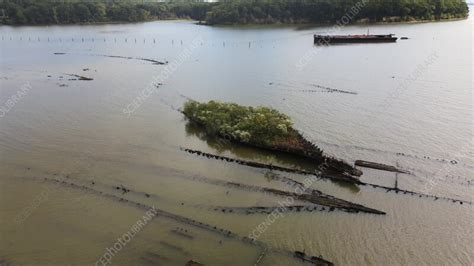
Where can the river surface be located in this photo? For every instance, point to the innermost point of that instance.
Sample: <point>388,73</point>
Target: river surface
<point>408,104</point>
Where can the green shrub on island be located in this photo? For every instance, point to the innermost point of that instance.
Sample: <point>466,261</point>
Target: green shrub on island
<point>246,124</point>
<point>259,126</point>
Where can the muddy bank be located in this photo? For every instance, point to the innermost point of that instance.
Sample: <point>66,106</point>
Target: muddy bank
<point>379,166</point>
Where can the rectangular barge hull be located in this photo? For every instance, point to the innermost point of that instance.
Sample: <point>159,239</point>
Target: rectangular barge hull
<point>334,39</point>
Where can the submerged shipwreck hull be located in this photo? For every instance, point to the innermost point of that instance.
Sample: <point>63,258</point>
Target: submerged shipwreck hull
<point>302,149</point>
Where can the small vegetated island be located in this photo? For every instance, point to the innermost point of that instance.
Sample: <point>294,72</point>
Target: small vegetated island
<point>19,12</point>
<point>261,127</point>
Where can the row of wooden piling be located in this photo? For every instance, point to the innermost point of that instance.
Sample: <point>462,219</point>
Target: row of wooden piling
<point>223,232</point>
<point>319,175</point>
<point>272,167</point>
<point>107,40</point>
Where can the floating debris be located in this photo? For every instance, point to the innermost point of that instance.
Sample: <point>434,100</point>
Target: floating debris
<point>322,89</point>
<point>173,247</point>
<point>149,261</point>
<point>124,189</point>
<point>286,180</point>
<point>260,257</point>
<point>182,232</point>
<point>155,62</point>
<point>413,193</point>
<point>380,166</point>
<point>331,90</point>
<point>155,257</point>
<point>193,263</point>
<point>315,260</point>
<point>79,77</point>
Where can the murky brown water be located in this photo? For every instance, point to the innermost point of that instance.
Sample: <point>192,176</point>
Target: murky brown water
<point>405,111</point>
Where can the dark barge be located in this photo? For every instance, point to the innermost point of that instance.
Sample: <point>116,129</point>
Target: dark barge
<point>331,39</point>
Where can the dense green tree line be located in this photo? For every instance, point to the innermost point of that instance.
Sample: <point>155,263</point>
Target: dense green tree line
<point>76,11</point>
<point>330,11</point>
<point>227,12</point>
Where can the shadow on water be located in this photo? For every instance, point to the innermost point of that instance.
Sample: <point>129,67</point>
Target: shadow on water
<point>221,146</point>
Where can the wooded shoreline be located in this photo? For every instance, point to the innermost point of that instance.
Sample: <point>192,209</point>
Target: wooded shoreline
<point>239,12</point>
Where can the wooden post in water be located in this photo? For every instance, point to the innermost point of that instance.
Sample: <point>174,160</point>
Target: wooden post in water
<point>396,177</point>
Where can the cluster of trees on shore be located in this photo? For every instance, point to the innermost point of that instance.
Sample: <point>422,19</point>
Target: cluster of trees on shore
<point>331,11</point>
<point>18,12</point>
<point>227,11</point>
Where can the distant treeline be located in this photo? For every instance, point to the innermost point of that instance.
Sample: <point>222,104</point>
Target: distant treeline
<point>95,11</point>
<point>330,11</point>
<point>228,12</point>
